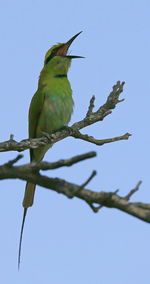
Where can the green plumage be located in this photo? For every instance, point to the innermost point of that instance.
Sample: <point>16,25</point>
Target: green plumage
<point>50,109</point>
<point>52,104</point>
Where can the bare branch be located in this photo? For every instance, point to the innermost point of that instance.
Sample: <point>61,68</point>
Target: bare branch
<point>35,167</point>
<point>90,118</point>
<point>107,199</point>
<point>100,142</point>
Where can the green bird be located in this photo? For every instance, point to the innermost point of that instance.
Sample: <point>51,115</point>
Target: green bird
<point>50,109</point>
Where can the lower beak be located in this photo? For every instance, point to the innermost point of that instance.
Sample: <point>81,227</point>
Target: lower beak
<point>74,56</point>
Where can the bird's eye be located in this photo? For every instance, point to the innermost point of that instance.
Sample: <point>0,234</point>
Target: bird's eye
<point>53,53</point>
<point>49,57</point>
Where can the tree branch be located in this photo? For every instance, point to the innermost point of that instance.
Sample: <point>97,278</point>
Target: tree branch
<point>35,167</point>
<point>107,199</point>
<point>90,118</point>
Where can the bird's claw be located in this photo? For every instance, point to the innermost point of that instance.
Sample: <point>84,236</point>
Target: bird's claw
<point>45,134</point>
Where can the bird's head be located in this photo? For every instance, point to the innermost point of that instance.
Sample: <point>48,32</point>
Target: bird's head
<point>57,60</point>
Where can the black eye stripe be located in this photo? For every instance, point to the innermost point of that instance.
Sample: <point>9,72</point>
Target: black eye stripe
<point>53,53</point>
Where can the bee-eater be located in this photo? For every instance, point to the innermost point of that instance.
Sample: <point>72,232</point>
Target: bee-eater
<point>50,109</point>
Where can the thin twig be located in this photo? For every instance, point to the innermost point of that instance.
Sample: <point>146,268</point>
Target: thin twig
<point>12,162</point>
<point>91,107</point>
<point>100,142</point>
<point>93,174</point>
<point>132,191</point>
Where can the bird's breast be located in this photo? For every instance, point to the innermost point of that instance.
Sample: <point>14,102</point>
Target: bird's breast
<point>57,108</point>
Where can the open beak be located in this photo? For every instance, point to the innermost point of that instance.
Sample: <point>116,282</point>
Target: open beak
<point>64,48</point>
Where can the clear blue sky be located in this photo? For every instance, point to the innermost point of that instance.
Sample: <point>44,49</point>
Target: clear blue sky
<point>64,241</point>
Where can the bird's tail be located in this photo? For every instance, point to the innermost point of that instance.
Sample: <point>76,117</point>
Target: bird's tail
<point>27,202</point>
<point>29,195</point>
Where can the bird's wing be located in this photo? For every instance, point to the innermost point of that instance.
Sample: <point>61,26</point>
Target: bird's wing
<point>34,115</point>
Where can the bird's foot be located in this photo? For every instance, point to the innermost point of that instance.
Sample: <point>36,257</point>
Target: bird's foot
<point>47,135</point>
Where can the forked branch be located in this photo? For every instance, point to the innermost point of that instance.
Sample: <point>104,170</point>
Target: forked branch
<point>90,118</point>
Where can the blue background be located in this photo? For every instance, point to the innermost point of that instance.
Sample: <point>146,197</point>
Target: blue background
<point>64,241</point>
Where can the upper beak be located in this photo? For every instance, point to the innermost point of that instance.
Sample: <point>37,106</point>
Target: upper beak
<point>69,42</point>
<point>64,48</point>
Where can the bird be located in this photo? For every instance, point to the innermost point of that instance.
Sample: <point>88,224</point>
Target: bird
<point>50,109</point>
